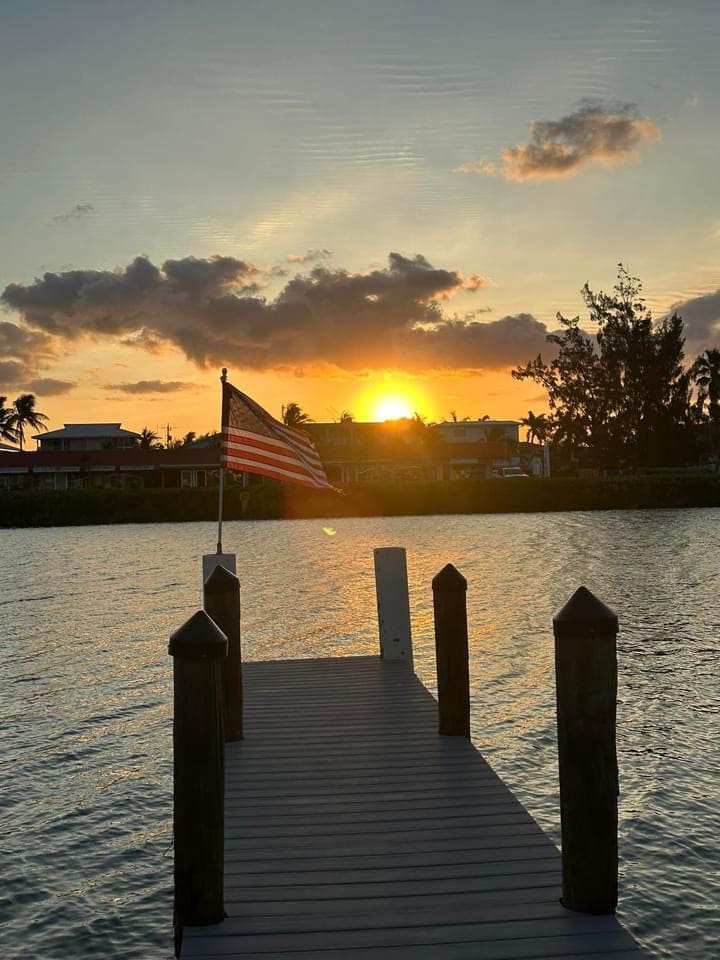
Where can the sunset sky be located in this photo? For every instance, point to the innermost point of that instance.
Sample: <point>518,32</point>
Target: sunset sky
<point>348,204</point>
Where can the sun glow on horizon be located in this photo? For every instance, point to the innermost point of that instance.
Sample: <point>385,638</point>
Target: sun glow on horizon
<point>391,408</point>
<point>390,396</point>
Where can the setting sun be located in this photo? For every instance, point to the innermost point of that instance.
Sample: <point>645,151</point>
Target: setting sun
<point>391,408</point>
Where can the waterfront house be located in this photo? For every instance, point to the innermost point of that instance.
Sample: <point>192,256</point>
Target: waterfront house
<point>88,436</point>
<point>105,456</point>
<point>112,468</point>
<point>478,431</point>
<point>401,450</point>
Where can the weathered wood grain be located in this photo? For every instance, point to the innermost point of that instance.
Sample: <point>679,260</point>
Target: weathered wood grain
<point>355,832</point>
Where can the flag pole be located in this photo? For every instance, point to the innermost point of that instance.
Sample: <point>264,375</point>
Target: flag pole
<point>221,488</point>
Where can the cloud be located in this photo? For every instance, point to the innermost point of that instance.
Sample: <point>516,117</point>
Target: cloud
<point>12,374</point>
<point>607,133</point>
<point>78,211</point>
<point>312,256</point>
<point>23,344</point>
<point>701,318</point>
<point>21,350</point>
<point>475,282</point>
<point>151,386</point>
<point>49,387</point>
<point>380,319</point>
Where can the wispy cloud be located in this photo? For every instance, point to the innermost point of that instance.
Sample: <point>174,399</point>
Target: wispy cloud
<point>49,387</point>
<point>151,386</point>
<point>78,211</point>
<point>475,282</point>
<point>312,256</point>
<point>607,133</point>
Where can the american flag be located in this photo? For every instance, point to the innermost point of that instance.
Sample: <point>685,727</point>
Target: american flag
<point>255,442</point>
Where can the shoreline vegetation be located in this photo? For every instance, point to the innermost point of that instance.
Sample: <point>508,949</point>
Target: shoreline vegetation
<point>274,502</point>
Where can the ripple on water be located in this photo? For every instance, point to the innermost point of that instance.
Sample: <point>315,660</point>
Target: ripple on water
<point>86,697</point>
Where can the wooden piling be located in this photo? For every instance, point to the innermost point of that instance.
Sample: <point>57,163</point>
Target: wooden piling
<point>586,683</point>
<point>197,649</point>
<point>451,652</point>
<point>393,604</point>
<point>222,604</point>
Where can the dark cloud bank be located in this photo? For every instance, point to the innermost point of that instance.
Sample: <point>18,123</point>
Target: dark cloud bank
<point>212,310</point>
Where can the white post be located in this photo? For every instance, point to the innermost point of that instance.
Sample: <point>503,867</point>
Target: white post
<point>212,560</point>
<point>393,604</point>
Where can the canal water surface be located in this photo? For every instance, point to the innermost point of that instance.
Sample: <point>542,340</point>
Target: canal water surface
<point>85,696</point>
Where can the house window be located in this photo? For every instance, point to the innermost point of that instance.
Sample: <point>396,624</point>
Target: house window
<point>200,478</point>
<point>186,478</point>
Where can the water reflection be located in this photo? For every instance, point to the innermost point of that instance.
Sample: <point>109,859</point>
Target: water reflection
<point>86,708</point>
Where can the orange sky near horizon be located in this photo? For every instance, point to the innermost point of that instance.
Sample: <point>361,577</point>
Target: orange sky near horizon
<point>373,396</point>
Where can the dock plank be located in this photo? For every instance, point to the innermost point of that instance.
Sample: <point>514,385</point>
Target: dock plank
<point>354,831</point>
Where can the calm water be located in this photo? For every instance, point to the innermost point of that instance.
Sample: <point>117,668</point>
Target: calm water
<point>86,711</point>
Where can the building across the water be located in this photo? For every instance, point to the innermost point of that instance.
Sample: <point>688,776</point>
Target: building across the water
<point>117,469</point>
<point>104,455</point>
<point>88,436</point>
<point>398,450</point>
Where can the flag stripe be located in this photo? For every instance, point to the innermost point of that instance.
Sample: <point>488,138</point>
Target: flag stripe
<point>295,436</point>
<point>274,448</point>
<point>308,453</point>
<point>242,452</point>
<point>245,436</point>
<point>277,473</point>
<point>271,454</point>
<point>254,441</point>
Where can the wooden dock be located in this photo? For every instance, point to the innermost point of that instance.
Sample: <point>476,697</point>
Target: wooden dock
<point>354,831</point>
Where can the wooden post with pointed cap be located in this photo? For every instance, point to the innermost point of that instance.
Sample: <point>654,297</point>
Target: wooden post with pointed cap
<point>451,652</point>
<point>586,683</point>
<point>198,648</point>
<point>222,604</point>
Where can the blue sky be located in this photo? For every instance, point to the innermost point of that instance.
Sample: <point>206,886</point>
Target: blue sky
<point>262,130</point>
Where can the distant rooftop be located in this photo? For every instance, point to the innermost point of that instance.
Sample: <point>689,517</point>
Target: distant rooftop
<point>6,448</point>
<point>487,423</point>
<point>70,431</point>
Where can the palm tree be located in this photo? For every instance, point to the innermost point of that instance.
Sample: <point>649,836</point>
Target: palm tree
<point>148,438</point>
<point>706,374</point>
<point>346,417</point>
<point>538,427</point>
<point>24,415</point>
<point>189,438</point>
<point>454,416</point>
<point>293,415</point>
<point>6,430</point>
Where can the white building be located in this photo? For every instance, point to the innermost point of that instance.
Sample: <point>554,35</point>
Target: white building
<point>88,436</point>
<point>477,431</point>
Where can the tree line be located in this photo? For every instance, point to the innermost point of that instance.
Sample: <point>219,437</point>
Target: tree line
<point>623,397</point>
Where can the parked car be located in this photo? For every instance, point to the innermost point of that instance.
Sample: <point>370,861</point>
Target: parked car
<point>510,473</point>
